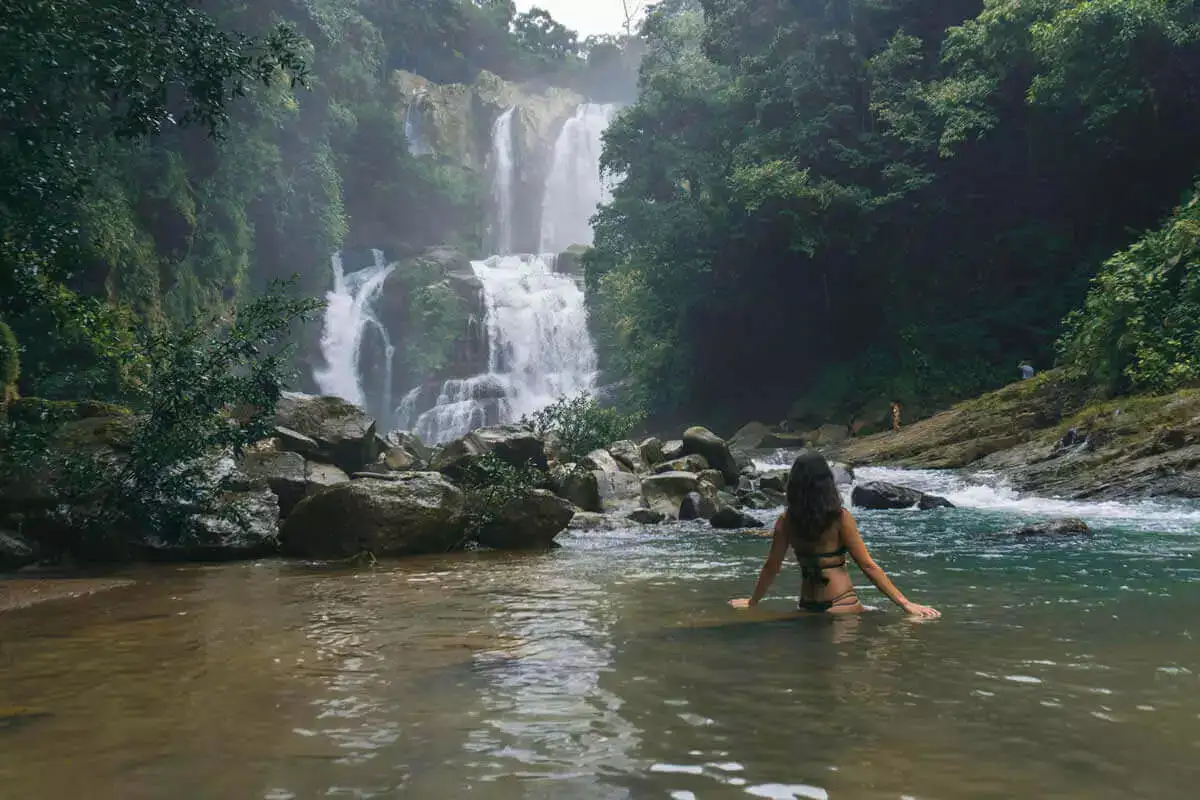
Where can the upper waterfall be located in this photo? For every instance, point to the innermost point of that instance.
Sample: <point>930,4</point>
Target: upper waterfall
<point>575,186</point>
<point>503,175</point>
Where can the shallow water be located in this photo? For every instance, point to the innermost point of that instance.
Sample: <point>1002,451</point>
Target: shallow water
<point>612,668</point>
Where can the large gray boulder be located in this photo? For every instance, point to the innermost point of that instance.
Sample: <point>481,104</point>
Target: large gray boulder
<point>672,450</point>
<point>343,433</point>
<point>776,480</point>
<point>575,483</point>
<point>402,451</point>
<point>666,492</point>
<point>513,444</point>
<point>651,450</point>
<point>732,519</point>
<point>319,476</point>
<point>15,552</point>
<point>881,496</point>
<point>603,461</point>
<point>629,455</point>
<point>620,492</point>
<point>413,513</point>
<point>282,471</point>
<point>527,523</point>
<point>1056,527</point>
<point>703,442</point>
<point>750,437</point>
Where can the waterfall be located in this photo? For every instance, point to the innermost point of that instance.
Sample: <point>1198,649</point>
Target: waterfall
<point>348,315</point>
<point>575,186</point>
<point>417,143</point>
<point>503,175</point>
<point>538,351</point>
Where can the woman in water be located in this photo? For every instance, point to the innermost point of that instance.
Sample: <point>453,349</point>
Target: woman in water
<point>823,533</point>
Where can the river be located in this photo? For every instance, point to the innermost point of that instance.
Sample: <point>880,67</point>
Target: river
<point>612,668</point>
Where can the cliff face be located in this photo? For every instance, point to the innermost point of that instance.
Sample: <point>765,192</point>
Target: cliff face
<point>455,122</point>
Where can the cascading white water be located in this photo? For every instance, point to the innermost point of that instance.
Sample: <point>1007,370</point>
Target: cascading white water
<point>348,315</point>
<point>503,174</point>
<point>538,351</point>
<point>413,131</point>
<point>575,186</point>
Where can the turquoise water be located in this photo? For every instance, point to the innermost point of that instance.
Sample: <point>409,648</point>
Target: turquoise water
<point>611,668</point>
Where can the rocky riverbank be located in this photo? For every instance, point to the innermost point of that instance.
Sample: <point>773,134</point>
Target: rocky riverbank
<point>1048,435</point>
<point>327,485</point>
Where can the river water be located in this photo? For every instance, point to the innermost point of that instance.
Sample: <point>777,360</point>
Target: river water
<point>612,668</point>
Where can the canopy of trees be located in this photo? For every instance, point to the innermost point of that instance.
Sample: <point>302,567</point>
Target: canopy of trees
<point>858,201</point>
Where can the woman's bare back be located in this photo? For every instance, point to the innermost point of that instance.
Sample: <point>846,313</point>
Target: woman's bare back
<point>827,587</point>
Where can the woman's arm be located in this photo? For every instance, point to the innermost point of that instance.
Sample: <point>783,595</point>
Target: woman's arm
<point>779,548</point>
<point>857,548</point>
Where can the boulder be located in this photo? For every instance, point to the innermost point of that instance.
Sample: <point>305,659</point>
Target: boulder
<point>411,442</point>
<point>620,492</point>
<point>652,451</point>
<point>776,480</point>
<point>696,464</point>
<point>319,476</point>
<point>247,527</point>
<point>732,519</point>
<point>669,493</point>
<point>588,521</point>
<point>512,444</point>
<point>785,441</point>
<point>929,502</point>
<point>703,442</point>
<point>603,461</point>
<point>672,450</point>
<point>578,485</point>
<point>629,455</point>
<point>883,496</point>
<point>745,484</point>
<point>280,470</point>
<point>828,435</point>
<point>15,552</point>
<point>528,523</point>
<point>756,500</point>
<point>712,476</point>
<point>295,442</point>
<point>691,507</point>
<point>646,516</point>
<point>401,451</point>
<point>751,436</point>
<point>1056,527</point>
<point>343,433</point>
<point>419,512</point>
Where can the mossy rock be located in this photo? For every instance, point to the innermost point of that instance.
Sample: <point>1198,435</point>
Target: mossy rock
<point>35,410</point>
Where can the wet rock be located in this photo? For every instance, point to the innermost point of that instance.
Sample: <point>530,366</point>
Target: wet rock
<point>693,463</point>
<point>15,552</point>
<point>652,451</point>
<point>319,476</point>
<point>1057,527</point>
<point>691,507</point>
<point>589,521</point>
<point>776,499</point>
<point>282,472</point>
<point>295,442</point>
<point>745,484</point>
<point>672,450</point>
<point>629,455</point>
<point>756,500</point>
<point>785,440</point>
<point>751,436</point>
<point>246,527</point>
<point>776,480</point>
<point>703,442</point>
<point>603,461</point>
<point>879,495</point>
<point>646,516</point>
<point>578,485</point>
<point>343,433</point>
<point>402,451</point>
<point>712,476</point>
<point>732,519</point>
<point>828,435</point>
<point>528,523</point>
<point>666,492</point>
<point>620,492</point>
<point>419,512</point>
<point>511,444</point>
<point>929,502</point>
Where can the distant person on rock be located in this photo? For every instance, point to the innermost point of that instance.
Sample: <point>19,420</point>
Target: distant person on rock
<point>823,533</point>
<point>1027,370</point>
<point>895,415</point>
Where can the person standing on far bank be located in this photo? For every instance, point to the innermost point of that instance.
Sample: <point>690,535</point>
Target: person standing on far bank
<point>1027,370</point>
<point>895,415</point>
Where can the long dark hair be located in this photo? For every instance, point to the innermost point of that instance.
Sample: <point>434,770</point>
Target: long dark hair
<point>813,500</point>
